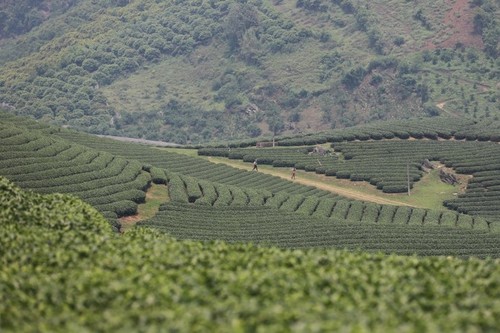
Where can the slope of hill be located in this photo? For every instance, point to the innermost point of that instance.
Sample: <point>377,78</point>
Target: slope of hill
<point>192,71</point>
<point>63,270</point>
<point>20,16</point>
<point>242,205</point>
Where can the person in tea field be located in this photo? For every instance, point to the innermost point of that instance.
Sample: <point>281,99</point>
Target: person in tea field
<point>294,171</point>
<point>255,166</point>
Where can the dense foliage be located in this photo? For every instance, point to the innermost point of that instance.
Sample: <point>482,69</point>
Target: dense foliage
<point>63,270</point>
<point>20,16</point>
<point>65,87</point>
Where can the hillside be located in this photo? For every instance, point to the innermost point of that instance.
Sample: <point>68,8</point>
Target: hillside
<point>245,206</point>
<point>18,17</point>
<point>201,70</point>
<point>227,249</point>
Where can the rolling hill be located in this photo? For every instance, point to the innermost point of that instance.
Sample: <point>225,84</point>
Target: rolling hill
<point>370,101</point>
<point>255,207</point>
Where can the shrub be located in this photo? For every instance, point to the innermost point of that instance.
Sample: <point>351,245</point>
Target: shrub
<point>343,174</point>
<point>394,189</point>
<point>331,172</point>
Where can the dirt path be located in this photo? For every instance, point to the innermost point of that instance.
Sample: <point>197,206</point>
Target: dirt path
<point>285,174</point>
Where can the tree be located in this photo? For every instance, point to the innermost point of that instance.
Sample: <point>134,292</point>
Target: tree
<point>275,121</point>
<point>432,110</point>
<point>90,65</point>
<point>239,19</point>
<point>398,41</point>
<point>253,131</point>
<point>313,5</point>
<point>491,44</point>
<point>251,47</point>
<point>354,77</point>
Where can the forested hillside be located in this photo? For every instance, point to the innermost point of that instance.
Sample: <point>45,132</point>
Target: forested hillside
<point>20,16</point>
<point>190,71</point>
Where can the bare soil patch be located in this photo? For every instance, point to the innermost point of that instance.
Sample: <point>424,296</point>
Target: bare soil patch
<point>460,27</point>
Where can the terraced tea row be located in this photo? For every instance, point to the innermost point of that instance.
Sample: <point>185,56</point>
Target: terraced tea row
<point>223,199</point>
<point>184,191</point>
<point>301,158</point>
<point>386,165</point>
<point>46,164</point>
<point>272,226</point>
<point>430,128</point>
<point>379,162</point>
<point>433,129</point>
<point>194,167</point>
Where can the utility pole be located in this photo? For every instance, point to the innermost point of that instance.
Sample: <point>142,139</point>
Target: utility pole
<point>408,174</point>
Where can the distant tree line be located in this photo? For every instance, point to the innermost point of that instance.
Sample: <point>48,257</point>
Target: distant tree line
<point>486,23</point>
<point>20,16</point>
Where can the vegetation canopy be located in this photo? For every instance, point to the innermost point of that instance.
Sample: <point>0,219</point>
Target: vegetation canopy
<point>191,71</point>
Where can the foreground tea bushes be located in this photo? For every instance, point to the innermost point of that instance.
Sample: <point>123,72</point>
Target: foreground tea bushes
<point>63,270</point>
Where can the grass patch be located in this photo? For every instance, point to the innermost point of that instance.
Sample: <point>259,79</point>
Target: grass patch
<point>429,192</point>
<point>155,196</point>
<point>185,80</point>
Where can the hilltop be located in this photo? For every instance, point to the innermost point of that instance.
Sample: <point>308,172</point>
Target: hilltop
<point>202,70</point>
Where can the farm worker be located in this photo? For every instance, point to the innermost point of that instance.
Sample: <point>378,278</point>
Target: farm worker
<point>294,170</point>
<point>255,166</point>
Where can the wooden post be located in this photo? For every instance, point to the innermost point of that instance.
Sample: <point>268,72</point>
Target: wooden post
<point>408,175</point>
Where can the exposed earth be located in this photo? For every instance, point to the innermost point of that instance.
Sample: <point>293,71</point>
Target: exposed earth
<point>459,28</point>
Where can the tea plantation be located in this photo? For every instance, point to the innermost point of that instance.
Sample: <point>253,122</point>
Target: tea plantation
<point>235,250</point>
<point>64,270</point>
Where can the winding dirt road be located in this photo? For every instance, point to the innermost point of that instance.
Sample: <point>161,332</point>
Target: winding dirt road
<point>285,174</point>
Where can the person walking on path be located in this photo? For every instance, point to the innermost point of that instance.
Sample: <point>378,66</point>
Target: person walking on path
<point>294,171</point>
<point>255,166</point>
